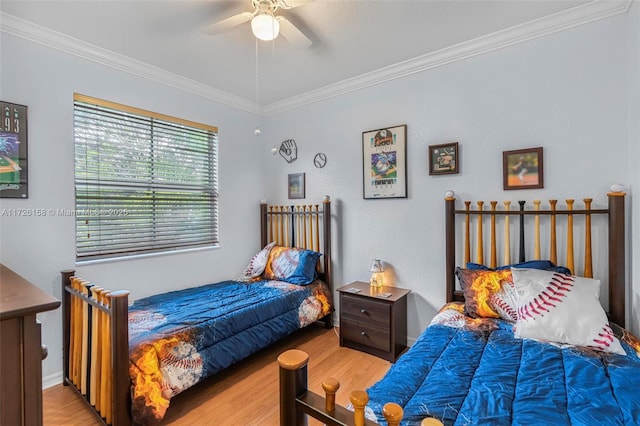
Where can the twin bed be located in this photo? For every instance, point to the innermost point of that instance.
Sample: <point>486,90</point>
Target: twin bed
<point>127,361</point>
<point>522,346</point>
<point>528,345</point>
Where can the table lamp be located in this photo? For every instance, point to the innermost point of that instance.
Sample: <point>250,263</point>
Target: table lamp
<point>376,273</point>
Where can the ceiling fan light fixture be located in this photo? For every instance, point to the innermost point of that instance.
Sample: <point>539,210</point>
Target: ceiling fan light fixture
<point>265,26</point>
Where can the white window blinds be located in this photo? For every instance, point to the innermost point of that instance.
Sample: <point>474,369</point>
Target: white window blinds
<point>144,182</point>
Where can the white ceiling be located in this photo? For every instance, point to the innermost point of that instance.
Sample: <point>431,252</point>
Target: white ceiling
<point>355,43</point>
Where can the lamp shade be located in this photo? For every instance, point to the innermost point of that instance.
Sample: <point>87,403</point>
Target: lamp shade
<point>376,266</point>
<point>265,26</point>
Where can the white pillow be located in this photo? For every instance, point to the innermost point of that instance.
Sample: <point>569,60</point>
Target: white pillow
<point>562,308</point>
<point>256,265</point>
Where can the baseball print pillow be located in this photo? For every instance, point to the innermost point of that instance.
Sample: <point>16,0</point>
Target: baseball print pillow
<point>257,264</point>
<point>488,294</point>
<point>562,308</point>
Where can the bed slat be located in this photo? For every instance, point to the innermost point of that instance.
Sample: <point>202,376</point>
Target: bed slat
<point>521,254</point>
<point>494,261</point>
<point>553,249</point>
<point>480,244</point>
<point>536,232</point>
<point>570,259</point>
<point>467,244</point>
<point>588,256</point>
<point>507,235</point>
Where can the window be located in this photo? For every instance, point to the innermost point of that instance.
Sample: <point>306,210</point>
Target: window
<point>144,182</point>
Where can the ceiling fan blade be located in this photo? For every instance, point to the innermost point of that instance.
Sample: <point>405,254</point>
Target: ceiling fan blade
<point>290,4</point>
<point>292,33</point>
<point>228,23</point>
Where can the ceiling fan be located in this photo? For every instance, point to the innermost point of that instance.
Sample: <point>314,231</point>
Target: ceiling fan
<point>264,24</point>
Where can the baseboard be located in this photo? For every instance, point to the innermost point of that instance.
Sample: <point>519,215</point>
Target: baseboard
<point>51,380</point>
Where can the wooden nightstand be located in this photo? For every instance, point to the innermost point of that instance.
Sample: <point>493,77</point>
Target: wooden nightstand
<point>371,323</point>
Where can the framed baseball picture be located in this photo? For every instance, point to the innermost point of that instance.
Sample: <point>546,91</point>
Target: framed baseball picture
<point>522,169</point>
<point>444,159</point>
<point>13,151</point>
<point>384,163</point>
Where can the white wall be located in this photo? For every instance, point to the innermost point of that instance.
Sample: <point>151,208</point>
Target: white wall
<point>38,248</point>
<point>633,157</point>
<point>568,92</point>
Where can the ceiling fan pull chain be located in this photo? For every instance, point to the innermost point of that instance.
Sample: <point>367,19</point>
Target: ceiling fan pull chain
<point>257,131</point>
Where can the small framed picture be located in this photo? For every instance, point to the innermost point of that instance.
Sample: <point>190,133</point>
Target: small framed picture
<point>444,159</point>
<point>523,169</point>
<point>296,186</point>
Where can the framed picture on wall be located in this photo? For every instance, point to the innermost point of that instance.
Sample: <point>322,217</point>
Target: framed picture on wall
<point>384,163</point>
<point>296,186</point>
<point>523,169</point>
<point>13,151</point>
<point>443,159</point>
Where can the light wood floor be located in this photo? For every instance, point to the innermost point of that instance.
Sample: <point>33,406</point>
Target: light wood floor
<point>245,394</point>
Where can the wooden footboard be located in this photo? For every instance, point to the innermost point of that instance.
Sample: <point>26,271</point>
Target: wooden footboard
<point>297,402</point>
<point>96,347</point>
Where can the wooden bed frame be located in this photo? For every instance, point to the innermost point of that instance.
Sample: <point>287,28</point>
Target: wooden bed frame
<point>296,400</point>
<point>95,320</point>
<point>616,241</point>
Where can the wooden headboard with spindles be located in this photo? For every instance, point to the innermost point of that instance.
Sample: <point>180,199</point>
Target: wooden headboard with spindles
<point>302,226</point>
<point>473,219</point>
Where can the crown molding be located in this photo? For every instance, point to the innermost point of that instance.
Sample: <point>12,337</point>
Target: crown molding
<point>55,40</point>
<point>560,21</point>
<point>570,18</point>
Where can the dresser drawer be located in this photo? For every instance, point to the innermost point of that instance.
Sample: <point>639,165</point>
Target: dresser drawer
<point>366,334</point>
<point>366,310</point>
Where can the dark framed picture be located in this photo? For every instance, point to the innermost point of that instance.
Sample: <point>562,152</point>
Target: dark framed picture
<point>523,169</point>
<point>296,186</point>
<point>384,163</point>
<point>444,159</point>
<point>13,151</point>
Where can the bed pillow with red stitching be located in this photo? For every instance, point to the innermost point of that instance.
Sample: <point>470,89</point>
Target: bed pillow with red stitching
<point>562,308</point>
<point>488,294</point>
<point>293,265</point>
<point>256,265</point>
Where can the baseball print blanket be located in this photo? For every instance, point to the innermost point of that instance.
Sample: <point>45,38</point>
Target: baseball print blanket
<point>475,371</point>
<point>179,338</point>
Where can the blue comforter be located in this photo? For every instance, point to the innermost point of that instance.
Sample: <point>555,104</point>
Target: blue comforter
<point>475,374</point>
<point>179,338</point>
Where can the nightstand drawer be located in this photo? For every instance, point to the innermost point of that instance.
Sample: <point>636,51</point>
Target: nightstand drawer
<point>366,334</point>
<point>366,310</point>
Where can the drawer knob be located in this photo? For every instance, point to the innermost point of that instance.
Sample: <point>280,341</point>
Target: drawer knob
<point>362,332</point>
<point>363,311</point>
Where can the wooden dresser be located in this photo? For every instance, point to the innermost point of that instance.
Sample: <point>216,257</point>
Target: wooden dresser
<point>374,320</point>
<point>21,350</point>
